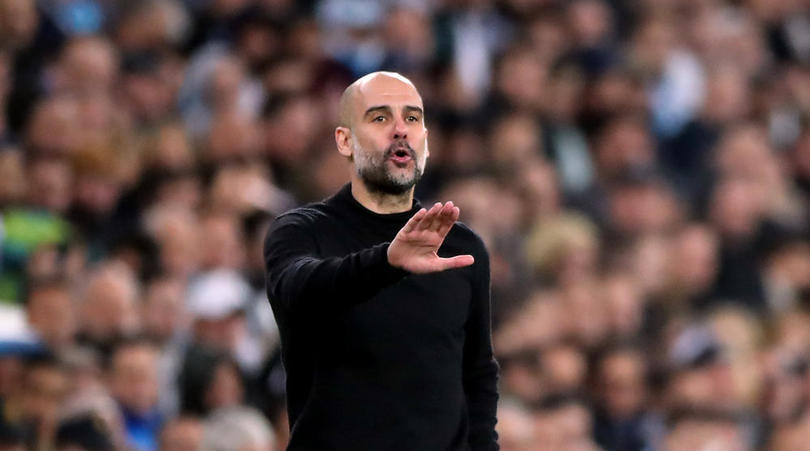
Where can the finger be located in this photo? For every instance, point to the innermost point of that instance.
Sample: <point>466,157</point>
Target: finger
<point>449,221</point>
<point>427,221</point>
<point>441,219</point>
<point>414,221</point>
<point>459,261</point>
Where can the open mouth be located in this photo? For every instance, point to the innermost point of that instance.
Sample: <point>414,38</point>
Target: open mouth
<point>401,156</point>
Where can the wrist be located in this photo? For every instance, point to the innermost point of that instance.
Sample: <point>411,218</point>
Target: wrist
<point>391,256</point>
<point>393,268</point>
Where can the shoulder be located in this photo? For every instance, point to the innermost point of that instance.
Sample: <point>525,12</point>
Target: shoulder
<point>306,220</point>
<point>315,214</point>
<point>306,215</point>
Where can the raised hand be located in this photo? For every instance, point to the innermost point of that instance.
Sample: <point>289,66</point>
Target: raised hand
<point>415,246</point>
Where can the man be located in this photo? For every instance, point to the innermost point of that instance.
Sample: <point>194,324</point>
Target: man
<point>181,433</point>
<point>133,382</point>
<point>385,328</point>
<point>49,310</point>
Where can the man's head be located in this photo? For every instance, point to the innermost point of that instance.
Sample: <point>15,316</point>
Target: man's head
<point>382,132</point>
<point>620,381</point>
<point>238,429</point>
<point>109,303</point>
<point>49,180</point>
<point>50,310</point>
<point>87,65</point>
<point>18,22</point>
<point>183,433</point>
<point>132,373</point>
<point>44,388</point>
<point>162,310</point>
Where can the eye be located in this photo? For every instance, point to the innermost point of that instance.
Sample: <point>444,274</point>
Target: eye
<point>378,119</point>
<point>413,118</point>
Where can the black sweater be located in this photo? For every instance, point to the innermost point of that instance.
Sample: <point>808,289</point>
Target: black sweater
<point>379,359</point>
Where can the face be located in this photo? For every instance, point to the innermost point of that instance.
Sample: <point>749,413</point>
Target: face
<point>223,244</point>
<point>18,21</point>
<point>50,184</point>
<point>43,391</point>
<point>109,308</point>
<point>51,313</point>
<point>184,434</point>
<point>565,367</point>
<point>163,312</point>
<point>89,65</point>
<point>134,377</point>
<point>623,389</point>
<point>226,388</point>
<point>387,140</point>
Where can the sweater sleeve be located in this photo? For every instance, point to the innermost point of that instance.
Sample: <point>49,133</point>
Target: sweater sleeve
<point>480,367</point>
<point>298,277</point>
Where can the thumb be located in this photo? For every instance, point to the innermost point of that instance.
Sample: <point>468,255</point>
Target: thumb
<point>458,261</point>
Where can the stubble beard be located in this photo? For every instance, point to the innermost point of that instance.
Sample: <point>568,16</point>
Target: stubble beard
<point>373,170</point>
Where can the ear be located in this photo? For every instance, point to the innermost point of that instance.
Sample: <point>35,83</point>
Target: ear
<point>343,139</point>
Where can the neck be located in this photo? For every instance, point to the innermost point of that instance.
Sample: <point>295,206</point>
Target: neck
<point>381,203</point>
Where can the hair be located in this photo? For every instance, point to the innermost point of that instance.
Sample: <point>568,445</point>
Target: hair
<point>549,242</point>
<point>122,343</point>
<point>118,271</point>
<point>560,400</point>
<point>232,429</point>
<point>197,374</point>
<point>44,360</point>
<point>52,282</point>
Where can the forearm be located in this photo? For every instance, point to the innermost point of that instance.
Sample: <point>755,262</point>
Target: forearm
<point>299,277</point>
<point>305,281</point>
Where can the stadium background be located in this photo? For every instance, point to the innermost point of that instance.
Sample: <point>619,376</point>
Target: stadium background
<point>640,172</point>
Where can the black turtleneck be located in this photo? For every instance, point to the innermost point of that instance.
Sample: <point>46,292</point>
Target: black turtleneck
<point>378,358</point>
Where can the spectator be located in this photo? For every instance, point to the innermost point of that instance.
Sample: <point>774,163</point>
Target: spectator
<point>108,306</point>
<point>621,390</point>
<point>38,399</point>
<point>515,428</point>
<point>83,433</point>
<point>50,311</point>
<point>237,429</point>
<point>209,380</point>
<point>183,433</point>
<point>563,421</point>
<point>133,376</point>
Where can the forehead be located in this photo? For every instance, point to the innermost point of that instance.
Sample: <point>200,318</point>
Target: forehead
<point>386,91</point>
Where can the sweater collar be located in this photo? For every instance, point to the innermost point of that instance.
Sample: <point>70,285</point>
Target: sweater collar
<point>345,197</point>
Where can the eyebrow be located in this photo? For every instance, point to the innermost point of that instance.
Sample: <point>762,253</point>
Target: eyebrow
<point>387,109</point>
<point>411,108</point>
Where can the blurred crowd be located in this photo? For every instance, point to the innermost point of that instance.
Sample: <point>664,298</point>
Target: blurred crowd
<point>639,170</point>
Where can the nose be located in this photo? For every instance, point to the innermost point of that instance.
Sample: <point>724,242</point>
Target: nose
<point>400,130</point>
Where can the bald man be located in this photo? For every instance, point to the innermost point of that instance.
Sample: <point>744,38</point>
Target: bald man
<point>383,306</point>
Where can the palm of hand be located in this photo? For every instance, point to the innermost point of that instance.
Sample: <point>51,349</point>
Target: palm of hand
<point>415,247</point>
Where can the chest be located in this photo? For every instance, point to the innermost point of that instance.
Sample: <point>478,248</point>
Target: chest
<point>435,304</point>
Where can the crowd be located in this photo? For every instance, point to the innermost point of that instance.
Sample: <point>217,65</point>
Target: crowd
<point>639,171</point>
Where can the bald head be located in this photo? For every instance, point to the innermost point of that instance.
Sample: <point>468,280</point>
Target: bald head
<point>350,101</point>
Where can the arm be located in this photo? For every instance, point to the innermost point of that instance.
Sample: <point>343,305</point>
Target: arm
<point>299,277</point>
<point>480,368</point>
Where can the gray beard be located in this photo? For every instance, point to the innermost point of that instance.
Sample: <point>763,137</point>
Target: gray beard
<point>378,179</point>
